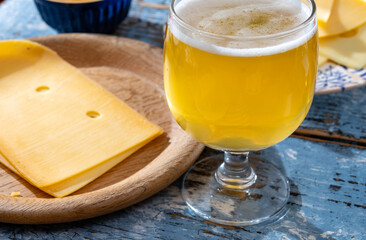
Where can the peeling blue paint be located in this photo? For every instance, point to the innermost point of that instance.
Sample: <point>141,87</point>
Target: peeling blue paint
<point>328,183</point>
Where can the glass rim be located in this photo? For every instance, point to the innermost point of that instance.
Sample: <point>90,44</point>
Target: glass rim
<point>249,38</point>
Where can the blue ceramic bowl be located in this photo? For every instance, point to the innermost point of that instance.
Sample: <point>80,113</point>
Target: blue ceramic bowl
<point>89,17</point>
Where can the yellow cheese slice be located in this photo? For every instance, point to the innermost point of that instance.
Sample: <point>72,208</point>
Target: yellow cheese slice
<point>345,16</point>
<point>78,181</point>
<point>56,123</point>
<point>347,49</point>
<point>322,60</point>
<point>323,9</point>
<point>74,183</point>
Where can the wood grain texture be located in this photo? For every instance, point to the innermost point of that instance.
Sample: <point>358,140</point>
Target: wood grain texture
<point>328,181</point>
<point>338,117</point>
<point>327,201</point>
<point>132,71</point>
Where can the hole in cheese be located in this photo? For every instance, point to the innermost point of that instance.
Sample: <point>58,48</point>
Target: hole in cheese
<point>93,114</point>
<point>42,89</point>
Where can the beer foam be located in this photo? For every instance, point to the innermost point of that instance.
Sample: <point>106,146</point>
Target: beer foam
<point>242,18</point>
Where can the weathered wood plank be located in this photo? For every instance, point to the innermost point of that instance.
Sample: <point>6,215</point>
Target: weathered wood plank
<point>320,135</point>
<point>20,19</point>
<point>328,201</point>
<point>328,196</point>
<point>340,116</point>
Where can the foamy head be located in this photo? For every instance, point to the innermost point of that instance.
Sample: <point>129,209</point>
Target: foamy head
<point>242,19</point>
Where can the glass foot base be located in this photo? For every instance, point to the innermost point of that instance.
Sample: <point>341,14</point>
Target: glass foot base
<point>264,200</point>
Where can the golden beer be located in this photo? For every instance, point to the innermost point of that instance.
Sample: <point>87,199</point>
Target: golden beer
<point>237,99</point>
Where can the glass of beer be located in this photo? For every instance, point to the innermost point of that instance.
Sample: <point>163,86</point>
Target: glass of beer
<point>239,76</point>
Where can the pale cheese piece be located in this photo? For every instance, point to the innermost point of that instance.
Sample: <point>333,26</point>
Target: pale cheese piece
<point>74,183</point>
<point>345,16</point>
<point>15,194</point>
<point>323,9</point>
<point>322,60</point>
<point>55,122</point>
<point>348,49</point>
<point>78,181</point>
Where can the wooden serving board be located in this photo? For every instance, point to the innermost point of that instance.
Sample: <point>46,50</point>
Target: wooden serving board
<point>131,70</point>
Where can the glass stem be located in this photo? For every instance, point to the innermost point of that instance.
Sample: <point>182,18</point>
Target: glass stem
<point>235,173</point>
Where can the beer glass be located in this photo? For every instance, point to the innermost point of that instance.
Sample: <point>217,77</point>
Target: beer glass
<point>237,93</point>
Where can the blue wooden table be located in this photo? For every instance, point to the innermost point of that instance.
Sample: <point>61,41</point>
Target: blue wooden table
<point>325,161</point>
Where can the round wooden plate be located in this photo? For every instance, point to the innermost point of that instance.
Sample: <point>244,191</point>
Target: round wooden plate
<point>131,70</point>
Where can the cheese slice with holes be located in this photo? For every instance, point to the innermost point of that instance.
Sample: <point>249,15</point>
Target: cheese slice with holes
<point>59,129</point>
<point>323,9</point>
<point>345,16</point>
<point>348,49</point>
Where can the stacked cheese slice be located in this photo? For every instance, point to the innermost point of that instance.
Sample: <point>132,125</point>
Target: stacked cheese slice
<point>342,31</point>
<point>59,129</point>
